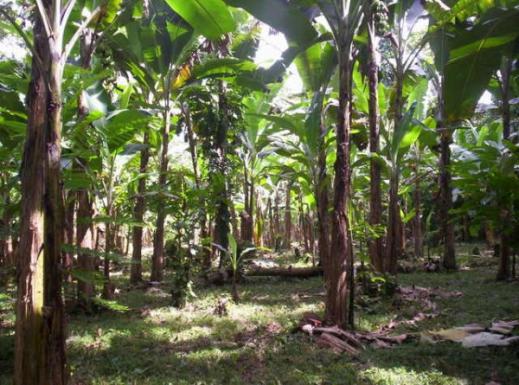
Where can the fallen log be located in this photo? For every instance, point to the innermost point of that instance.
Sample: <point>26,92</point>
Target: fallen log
<point>223,276</point>
<point>336,344</point>
<point>287,272</point>
<point>344,335</point>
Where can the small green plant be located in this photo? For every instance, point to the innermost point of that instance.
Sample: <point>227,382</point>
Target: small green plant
<point>235,258</point>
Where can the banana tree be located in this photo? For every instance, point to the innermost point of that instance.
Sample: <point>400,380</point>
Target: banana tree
<point>486,177</point>
<point>344,19</point>
<point>464,36</point>
<point>40,352</point>
<point>255,140</point>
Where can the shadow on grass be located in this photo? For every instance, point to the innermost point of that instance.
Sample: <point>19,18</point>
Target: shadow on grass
<point>195,347</point>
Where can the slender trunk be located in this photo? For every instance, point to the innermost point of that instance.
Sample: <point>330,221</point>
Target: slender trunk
<point>222,208</point>
<point>85,243</point>
<point>417,220</point>
<point>277,227</point>
<point>375,214</point>
<point>247,224</point>
<point>393,233</point>
<point>338,287</point>
<point>40,331</point>
<point>252,203</point>
<point>157,263</point>
<point>85,210</point>
<point>138,213</point>
<point>288,218</point>
<point>234,221</point>
<point>127,242</point>
<point>504,272</point>
<point>69,216</point>
<point>311,233</point>
<point>445,202</point>
<point>271,223</point>
<point>204,232</point>
<point>108,289</point>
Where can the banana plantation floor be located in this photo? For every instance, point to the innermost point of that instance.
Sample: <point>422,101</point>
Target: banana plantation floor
<point>147,341</point>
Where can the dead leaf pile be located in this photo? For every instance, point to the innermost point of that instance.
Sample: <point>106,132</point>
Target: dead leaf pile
<point>342,341</point>
<point>475,335</point>
<point>424,295</point>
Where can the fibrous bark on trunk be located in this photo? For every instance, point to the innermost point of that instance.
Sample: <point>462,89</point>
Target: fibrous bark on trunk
<point>339,282</point>
<point>40,331</point>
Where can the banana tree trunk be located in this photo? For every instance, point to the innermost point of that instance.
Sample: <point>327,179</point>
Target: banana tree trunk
<point>321,194</point>
<point>68,233</point>
<point>445,203</point>
<point>393,234</point>
<point>222,209</point>
<point>417,220</point>
<point>85,242</point>
<point>157,262</point>
<point>108,289</point>
<point>375,213</point>
<point>288,217</point>
<point>504,271</point>
<point>138,213</point>
<point>338,277</point>
<point>85,211</point>
<point>204,232</point>
<point>40,332</point>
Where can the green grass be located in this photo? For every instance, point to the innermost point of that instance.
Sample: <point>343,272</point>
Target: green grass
<point>153,343</point>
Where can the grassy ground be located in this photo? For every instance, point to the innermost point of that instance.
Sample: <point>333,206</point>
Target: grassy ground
<point>153,343</point>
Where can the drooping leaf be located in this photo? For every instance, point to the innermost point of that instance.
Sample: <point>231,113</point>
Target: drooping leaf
<point>211,18</point>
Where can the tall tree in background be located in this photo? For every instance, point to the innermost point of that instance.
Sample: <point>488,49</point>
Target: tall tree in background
<point>375,213</point>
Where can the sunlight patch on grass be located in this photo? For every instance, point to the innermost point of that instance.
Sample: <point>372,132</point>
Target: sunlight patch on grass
<point>405,376</point>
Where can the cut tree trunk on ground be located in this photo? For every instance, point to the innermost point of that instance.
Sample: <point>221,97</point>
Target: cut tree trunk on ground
<point>301,272</point>
<point>220,277</point>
